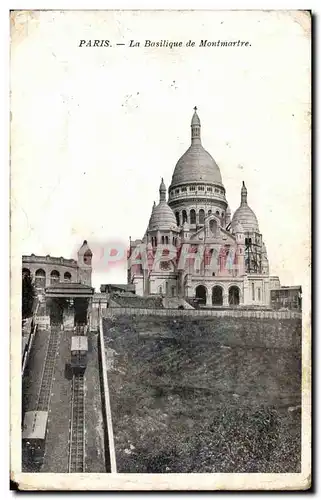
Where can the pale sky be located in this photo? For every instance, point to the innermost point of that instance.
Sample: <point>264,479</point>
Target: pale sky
<point>95,128</point>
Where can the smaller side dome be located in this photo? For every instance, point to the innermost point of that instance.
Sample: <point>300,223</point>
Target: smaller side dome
<point>162,217</point>
<point>244,215</point>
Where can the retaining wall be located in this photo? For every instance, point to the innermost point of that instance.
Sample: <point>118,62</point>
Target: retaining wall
<point>130,311</point>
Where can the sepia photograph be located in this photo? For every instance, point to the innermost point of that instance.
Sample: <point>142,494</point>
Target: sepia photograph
<point>160,250</point>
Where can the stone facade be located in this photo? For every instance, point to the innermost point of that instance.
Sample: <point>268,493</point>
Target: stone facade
<point>46,271</point>
<point>193,247</point>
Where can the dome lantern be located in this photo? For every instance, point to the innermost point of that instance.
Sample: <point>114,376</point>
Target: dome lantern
<point>196,128</point>
<point>243,194</point>
<point>162,191</point>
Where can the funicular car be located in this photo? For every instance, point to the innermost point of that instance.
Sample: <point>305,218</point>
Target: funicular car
<point>34,435</point>
<point>78,352</point>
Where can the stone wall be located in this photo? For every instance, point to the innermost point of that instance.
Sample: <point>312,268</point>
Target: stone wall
<point>129,311</point>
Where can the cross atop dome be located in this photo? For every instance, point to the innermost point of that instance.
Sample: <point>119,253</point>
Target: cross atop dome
<point>195,108</point>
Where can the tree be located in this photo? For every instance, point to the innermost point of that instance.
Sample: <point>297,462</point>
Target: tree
<point>28,295</point>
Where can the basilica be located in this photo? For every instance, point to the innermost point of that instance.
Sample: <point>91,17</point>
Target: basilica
<point>193,247</point>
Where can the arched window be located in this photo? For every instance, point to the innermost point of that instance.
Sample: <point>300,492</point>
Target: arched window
<point>234,296</point>
<point>184,216</point>
<point>166,240</point>
<point>200,294</point>
<point>54,277</point>
<point>163,240</point>
<point>213,226</point>
<point>173,240</point>
<point>209,212</point>
<point>160,290</point>
<point>217,296</point>
<point>40,278</point>
<point>192,215</point>
<point>87,258</point>
<point>177,218</point>
<point>253,292</point>
<point>259,294</point>
<point>201,216</point>
<point>173,291</point>
<point>217,213</point>
<point>67,277</point>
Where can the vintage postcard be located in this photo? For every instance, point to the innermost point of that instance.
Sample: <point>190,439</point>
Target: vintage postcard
<point>160,250</point>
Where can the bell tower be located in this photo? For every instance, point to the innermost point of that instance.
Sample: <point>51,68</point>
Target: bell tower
<point>84,264</point>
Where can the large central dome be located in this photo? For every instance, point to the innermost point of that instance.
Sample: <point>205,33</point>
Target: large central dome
<point>196,165</point>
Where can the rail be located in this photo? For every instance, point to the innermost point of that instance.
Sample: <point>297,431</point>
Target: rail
<point>30,338</point>
<point>28,347</point>
<point>107,406</point>
<point>48,370</point>
<point>77,426</point>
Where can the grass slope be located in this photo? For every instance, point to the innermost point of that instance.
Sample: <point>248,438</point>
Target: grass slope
<point>205,395</point>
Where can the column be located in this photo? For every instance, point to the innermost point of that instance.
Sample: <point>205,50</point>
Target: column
<point>208,298</point>
<point>225,298</point>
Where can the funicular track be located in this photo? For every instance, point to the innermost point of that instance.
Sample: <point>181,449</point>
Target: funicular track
<point>48,369</point>
<point>77,425</point>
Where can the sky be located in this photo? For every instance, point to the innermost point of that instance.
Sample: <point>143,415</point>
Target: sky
<point>93,129</point>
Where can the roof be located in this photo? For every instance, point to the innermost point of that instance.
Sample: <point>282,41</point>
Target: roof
<point>47,259</point>
<point>244,215</point>
<point>196,164</point>
<point>79,343</point>
<point>162,217</point>
<point>113,286</point>
<point>68,285</point>
<point>69,290</point>
<point>84,249</point>
<point>34,425</point>
<point>295,287</point>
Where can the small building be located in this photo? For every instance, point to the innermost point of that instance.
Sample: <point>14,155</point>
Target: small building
<point>47,270</point>
<point>287,297</point>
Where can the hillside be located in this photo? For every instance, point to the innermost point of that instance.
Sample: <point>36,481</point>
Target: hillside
<point>206,394</point>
